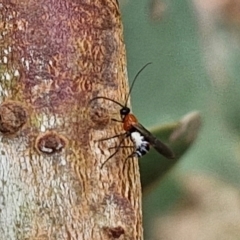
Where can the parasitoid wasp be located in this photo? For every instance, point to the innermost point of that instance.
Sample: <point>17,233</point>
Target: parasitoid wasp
<point>142,139</point>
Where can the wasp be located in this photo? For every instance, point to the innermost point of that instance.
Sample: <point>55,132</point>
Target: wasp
<point>142,139</point>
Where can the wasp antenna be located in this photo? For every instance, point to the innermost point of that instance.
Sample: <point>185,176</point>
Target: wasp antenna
<point>135,80</point>
<point>106,98</point>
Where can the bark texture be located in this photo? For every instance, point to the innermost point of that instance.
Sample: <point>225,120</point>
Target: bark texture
<point>56,55</point>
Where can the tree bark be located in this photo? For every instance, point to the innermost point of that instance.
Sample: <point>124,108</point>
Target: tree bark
<point>55,56</point>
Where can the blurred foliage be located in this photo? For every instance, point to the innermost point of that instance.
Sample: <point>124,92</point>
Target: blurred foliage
<point>195,50</point>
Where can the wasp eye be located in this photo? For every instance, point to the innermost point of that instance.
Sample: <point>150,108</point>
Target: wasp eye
<point>124,111</point>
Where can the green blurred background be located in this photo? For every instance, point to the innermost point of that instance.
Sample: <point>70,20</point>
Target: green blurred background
<point>195,50</point>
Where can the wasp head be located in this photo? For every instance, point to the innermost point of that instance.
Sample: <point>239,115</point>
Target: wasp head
<point>124,112</point>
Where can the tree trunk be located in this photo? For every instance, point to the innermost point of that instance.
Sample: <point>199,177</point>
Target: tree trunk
<point>55,56</point>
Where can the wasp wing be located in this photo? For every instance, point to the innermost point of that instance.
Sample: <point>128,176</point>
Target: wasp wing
<point>154,142</point>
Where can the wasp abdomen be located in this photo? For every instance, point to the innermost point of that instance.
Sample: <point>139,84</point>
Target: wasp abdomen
<point>142,146</point>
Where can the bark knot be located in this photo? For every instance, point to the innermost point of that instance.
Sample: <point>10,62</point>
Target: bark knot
<point>114,232</point>
<point>99,116</point>
<point>12,117</point>
<point>50,143</point>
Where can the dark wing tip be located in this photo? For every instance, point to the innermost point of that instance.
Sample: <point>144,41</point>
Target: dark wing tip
<point>163,149</point>
<point>166,152</point>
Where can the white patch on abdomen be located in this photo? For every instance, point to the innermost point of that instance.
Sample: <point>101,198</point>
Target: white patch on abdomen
<point>141,145</point>
<point>137,139</point>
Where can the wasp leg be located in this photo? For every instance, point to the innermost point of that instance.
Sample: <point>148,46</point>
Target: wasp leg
<point>123,146</point>
<point>117,149</point>
<point>118,135</point>
<point>132,155</point>
<point>116,120</point>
